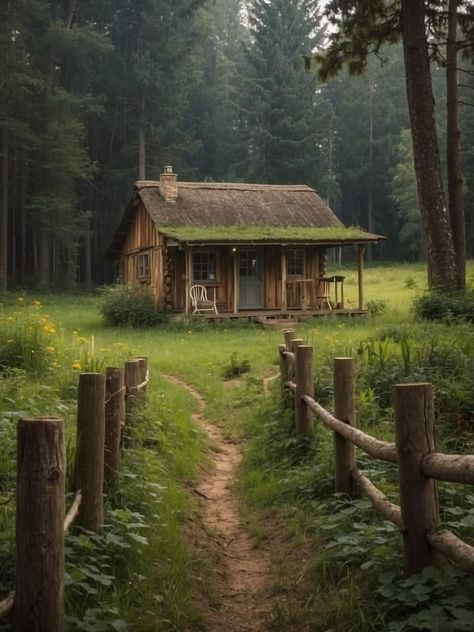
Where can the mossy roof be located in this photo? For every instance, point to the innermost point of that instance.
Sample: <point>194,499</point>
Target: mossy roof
<point>208,212</point>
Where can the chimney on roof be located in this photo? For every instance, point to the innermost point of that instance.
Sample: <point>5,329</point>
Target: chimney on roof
<point>168,184</point>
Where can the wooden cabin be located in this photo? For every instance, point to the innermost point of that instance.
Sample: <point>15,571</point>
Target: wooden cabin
<point>256,248</point>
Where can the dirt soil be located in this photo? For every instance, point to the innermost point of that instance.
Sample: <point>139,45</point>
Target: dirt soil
<point>239,599</point>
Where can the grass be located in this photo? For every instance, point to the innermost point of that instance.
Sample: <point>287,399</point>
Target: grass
<point>156,580</point>
<point>228,234</point>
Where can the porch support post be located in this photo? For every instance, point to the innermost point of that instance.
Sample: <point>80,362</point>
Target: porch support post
<point>360,273</point>
<point>283,280</point>
<point>187,273</point>
<point>236,280</point>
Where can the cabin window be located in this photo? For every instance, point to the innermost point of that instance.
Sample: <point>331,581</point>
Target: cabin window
<point>294,262</point>
<point>204,265</point>
<point>144,267</point>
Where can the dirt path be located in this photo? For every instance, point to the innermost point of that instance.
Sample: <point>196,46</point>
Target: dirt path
<point>238,601</point>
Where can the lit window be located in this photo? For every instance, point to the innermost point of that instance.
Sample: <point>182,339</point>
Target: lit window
<point>144,267</point>
<point>204,266</point>
<point>294,262</point>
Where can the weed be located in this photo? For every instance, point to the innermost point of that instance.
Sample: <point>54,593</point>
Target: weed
<point>235,367</point>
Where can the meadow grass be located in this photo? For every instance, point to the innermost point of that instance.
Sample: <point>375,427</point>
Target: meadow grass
<point>155,584</point>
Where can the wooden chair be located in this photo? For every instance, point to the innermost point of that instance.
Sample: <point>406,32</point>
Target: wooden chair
<point>199,300</point>
<point>322,299</point>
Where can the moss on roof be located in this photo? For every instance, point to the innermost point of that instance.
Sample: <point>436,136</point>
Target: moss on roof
<point>323,234</point>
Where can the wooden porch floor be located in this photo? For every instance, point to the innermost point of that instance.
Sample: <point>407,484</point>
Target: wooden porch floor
<point>290,315</point>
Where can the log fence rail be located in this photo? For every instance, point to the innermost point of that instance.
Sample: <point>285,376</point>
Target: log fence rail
<point>419,464</point>
<point>105,404</point>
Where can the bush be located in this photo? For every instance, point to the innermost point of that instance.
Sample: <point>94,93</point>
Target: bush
<point>26,338</point>
<point>376,307</point>
<point>130,306</point>
<point>237,366</point>
<point>445,307</point>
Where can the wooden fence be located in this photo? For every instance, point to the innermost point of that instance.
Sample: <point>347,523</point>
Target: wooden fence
<point>414,450</point>
<point>105,404</point>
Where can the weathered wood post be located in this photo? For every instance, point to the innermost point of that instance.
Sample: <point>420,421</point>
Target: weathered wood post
<point>414,426</point>
<point>132,380</point>
<point>345,410</point>
<point>39,583</point>
<point>143,363</point>
<point>304,386</point>
<point>288,335</point>
<point>114,421</point>
<point>90,449</point>
<point>283,369</point>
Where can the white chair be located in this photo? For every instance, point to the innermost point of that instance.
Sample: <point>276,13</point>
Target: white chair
<point>199,300</point>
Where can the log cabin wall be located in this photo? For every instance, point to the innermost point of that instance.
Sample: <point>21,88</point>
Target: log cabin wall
<point>141,261</point>
<point>272,277</point>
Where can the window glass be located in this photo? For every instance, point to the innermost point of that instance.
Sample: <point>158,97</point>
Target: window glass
<point>204,265</point>
<point>144,266</point>
<point>294,262</point>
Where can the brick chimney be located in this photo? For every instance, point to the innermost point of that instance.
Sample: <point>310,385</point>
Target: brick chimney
<point>168,185</point>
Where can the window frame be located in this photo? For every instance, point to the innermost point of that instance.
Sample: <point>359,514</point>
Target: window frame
<point>143,269</point>
<point>209,252</point>
<point>301,253</point>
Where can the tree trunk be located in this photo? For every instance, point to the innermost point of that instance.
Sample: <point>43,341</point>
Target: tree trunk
<point>4,208</point>
<point>44,245</point>
<point>433,210</point>
<point>453,132</point>
<point>370,196</point>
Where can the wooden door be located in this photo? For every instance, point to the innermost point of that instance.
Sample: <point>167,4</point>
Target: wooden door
<point>250,279</point>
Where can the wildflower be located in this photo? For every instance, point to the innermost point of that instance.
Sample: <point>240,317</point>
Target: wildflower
<point>36,304</point>
<point>20,299</point>
<point>49,329</point>
<point>50,349</point>
<point>76,365</point>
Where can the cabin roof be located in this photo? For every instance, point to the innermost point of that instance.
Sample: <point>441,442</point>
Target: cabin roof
<point>209,212</point>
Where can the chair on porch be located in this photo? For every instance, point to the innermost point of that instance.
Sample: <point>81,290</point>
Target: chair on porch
<point>322,299</point>
<point>199,300</point>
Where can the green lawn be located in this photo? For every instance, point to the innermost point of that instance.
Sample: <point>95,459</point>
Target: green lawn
<point>273,479</point>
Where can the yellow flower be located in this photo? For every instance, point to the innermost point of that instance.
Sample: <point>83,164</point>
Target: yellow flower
<point>50,349</point>
<point>76,365</point>
<point>36,304</point>
<point>49,329</point>
<point>20,299</point>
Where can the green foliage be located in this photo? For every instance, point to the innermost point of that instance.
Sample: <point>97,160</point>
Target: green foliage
<point>26,339</point>
<point>445,307</point>
<point>376,307</point>
<point>130,306</point>
<point>236,366</point>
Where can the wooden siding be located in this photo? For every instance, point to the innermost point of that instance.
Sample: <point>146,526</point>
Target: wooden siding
<point>142,239</point>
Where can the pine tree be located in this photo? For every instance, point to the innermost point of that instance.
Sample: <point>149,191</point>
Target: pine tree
<point>281,106</point>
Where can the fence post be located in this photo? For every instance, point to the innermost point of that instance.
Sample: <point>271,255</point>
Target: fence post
<point>414,426</point>
<point>304,386</point>
<point>288,334</point>
<point>114,420</point>
<point>345,410</point>
<point>39,583</point>
<point>143,363</point>
<point>90,449</point>
<point>283,369</point>
<point>132,380</point>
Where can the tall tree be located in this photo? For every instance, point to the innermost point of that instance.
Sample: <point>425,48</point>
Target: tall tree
<point>361,27</point>
<point>280,112</point>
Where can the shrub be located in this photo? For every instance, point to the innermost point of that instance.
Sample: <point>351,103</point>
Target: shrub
<point>376,307</point>
<point>27,338</point>
<point>130,306</point>
<point>445,307</point>
<point>237,366</point>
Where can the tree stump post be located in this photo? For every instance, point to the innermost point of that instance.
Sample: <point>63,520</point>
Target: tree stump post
<point>114,421</point>
<point>344,410</point>
<point>414,426</point>
<point>90,449</point>
<point>304,386</point>
<point>288,335</point>
<point>39,583</point>
<point>132,380</point>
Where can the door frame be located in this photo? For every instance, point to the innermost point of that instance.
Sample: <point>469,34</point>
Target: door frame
<point>260,250</point>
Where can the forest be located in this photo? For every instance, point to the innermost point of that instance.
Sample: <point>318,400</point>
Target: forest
<point>94,96</point>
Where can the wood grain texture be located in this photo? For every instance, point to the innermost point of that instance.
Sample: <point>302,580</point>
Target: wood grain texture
<point>345,411</point>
